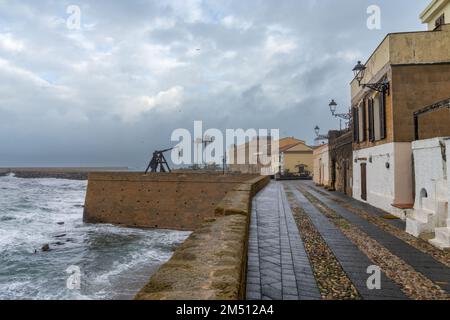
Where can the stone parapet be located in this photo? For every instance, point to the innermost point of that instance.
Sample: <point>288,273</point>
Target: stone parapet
<point>212,263</point>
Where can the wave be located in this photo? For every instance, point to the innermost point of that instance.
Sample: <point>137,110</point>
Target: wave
<point>112,259</point>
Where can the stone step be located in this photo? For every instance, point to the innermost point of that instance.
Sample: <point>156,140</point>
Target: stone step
<point>442,239</point>
<point>443,235</point>
<point>420,222</point>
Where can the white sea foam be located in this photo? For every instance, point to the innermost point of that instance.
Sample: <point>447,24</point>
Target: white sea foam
<point>110,258</point>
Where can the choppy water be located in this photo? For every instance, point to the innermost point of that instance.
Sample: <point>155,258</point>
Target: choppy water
<point>114,262</point>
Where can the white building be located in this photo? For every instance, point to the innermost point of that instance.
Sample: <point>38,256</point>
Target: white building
<point>431,217</point>
<point>406,72</point>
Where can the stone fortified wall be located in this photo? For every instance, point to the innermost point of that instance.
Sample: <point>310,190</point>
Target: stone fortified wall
<point>178,201</point>
<point>212,263</point>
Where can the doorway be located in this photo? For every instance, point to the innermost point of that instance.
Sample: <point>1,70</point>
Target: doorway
<point>345,173</point>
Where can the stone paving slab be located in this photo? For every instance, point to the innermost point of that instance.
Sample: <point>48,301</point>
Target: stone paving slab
<point>278,266</point>
<point>352,259</point>
<point>420,261</point>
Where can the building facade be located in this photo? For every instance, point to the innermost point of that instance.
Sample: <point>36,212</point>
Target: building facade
<point>430,217</point>
<point>322,166</point>
<point>292,156</point>
<point>436,14</point>
<point>416,67</point>
<point>431,184</point>
<point>296,159</point>
<point>341,164</point>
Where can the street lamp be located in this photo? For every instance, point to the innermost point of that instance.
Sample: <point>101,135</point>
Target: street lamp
<point>345,116</point>
<point>317,130</point>
<point>333,106</point>
<point>318,135</point>
<point>360,71</point>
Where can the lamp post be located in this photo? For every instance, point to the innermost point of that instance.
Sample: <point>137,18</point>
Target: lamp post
<point>360,71</point>
<point>342,116</point>
<point>319,136</point>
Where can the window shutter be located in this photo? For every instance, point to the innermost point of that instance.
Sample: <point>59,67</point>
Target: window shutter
<point>364,124</point>
<point>371,121</point>
<point>355,125</point>
<point>382,98</point>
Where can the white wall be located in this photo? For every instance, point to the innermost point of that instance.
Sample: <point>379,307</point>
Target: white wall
<point>321,166</point>
<point>385,186</point>
<point>431,172</point>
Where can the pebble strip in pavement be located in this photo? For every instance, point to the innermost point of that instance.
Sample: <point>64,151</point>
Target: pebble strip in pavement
<point>421,262</point>
<point>354,262</point>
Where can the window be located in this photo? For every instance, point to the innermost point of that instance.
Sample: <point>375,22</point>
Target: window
<point>382,103</point>
<point>376,109</point>
<point>362,121</point>
<point>370,106</point>
<point>440,21</point>
<point>377,117</point>
<point>355,125</point>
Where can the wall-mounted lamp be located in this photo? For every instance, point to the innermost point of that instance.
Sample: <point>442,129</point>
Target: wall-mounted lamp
<point>360,71</point>
<point>345,116</point>
<point>318,135</point>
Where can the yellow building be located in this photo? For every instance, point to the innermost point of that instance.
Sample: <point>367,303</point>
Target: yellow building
<point>295,158</point>
<point>436,14</point>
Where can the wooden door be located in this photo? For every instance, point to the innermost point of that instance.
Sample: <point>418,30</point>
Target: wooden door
<point>345,176</point>
<point>364,181</point>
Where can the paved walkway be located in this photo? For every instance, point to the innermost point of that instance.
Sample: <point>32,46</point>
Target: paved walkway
<point>421,262</point>
<point>352,260</point>
<point>278,266</point>
<point>358,205</point>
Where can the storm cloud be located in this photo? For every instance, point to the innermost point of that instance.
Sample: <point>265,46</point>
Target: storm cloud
<point>114,90</point>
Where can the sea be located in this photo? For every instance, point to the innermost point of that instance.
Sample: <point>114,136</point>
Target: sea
<point>84,261</point>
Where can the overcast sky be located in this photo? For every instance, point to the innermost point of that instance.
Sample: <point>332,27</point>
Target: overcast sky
<point>113,91</point>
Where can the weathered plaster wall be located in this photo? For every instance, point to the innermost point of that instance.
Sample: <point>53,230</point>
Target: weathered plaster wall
<point>342,155</point>
<point>212,263</point>
<point>435,124</point>
<point>414,88</point>
<point>420,47</point>
<point>164,201</point>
